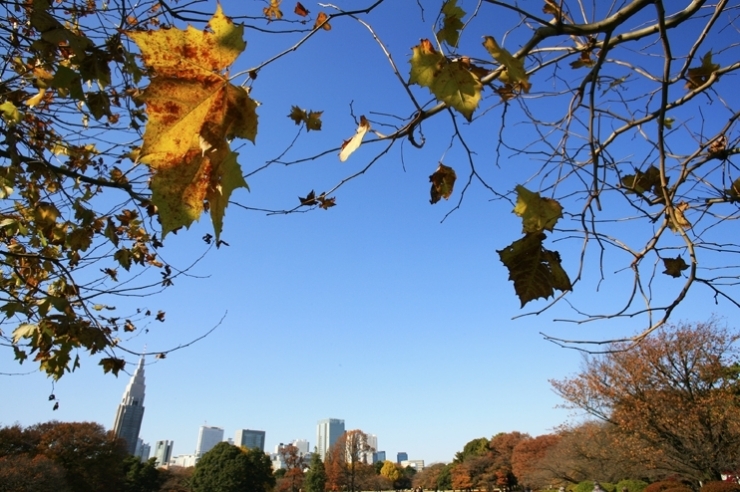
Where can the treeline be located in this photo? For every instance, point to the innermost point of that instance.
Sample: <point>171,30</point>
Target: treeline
<point>76,457</point>
<point>666,413</point>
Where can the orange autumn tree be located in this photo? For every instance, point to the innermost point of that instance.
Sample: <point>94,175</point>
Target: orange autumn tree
<point>117,122</point>
<point>348,459</point>
<point>673,399</point>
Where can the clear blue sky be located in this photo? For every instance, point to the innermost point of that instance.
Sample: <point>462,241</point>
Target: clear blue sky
<point>374,312</point>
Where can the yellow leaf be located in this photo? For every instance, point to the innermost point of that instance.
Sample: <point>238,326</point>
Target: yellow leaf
<point>537,213</point>
<point>453,82</point>
<point>451,23</point>
<point>515,73</point>
<point>681,220</point>
<point>193,112</point>
<point>10,113</point>
<point>34,101</point>
<point>353,143</point>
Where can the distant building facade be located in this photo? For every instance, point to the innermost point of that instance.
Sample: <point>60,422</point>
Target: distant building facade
<point>208,437</point>
<point>163,452</point>
<point>401,456</point>
<point>302,446</point>
<point>250,439</point>
<point>369,457</point>
<point>130,412</point>
<point>327,433</point>
<point>417,465</point>
<point>142,450</point>
<point>185,460</point>
<point>378,456</point>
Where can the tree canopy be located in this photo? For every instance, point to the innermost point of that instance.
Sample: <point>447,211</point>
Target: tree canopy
<point>228,468</point>
<point>79,456</point>
<point>673,399</point>
<point>608,127</point>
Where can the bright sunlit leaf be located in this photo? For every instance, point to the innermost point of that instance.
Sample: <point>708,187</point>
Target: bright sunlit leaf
<point>353,143</point>
<point>193,112</point>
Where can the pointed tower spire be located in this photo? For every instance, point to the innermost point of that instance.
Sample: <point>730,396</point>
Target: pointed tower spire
<point>131,410</point>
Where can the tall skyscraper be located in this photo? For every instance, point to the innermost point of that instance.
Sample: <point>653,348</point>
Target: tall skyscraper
<point>163,452</point>
<point>401,456</point>
<point>131,410</point>
<point>208,437</point>
<point>250,439</point>
<point>327,433</point>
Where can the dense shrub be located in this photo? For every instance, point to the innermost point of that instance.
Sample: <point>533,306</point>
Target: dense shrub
<point>679,488</point>
<point>720,487</point>
<point>663,486</point>
<point>588,486</point>
<point>634,486</point>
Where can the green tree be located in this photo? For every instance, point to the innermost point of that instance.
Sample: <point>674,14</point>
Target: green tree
<point>476,447</point>
<point>227,468</point>
<point>315,480</point>
<point>642,179</point>
<point>444,480</point>
<point>142,476</point>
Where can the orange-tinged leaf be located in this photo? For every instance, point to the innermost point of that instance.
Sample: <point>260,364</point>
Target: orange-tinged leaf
<point>273,11</point>
<point>443,181</point>
<point>321,21</point>
<point>353,143</point>
<point>301,10</point>
<point>191,53</point>
<point>193,112</point>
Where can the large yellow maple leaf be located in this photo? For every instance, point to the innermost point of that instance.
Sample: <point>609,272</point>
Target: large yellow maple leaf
<point>193,111</point>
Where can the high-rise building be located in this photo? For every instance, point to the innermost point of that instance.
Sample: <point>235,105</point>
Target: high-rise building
<point>250,439</point>
<point>131,410</point>
<point>163,452</point>
<point>401,456</point>
<point>327,433</point>
<point>208,437</point>
<point>142,450</point>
